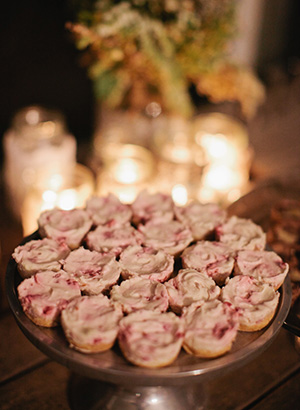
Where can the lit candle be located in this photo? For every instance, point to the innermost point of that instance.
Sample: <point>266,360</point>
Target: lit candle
<point>225,142</point>
<point>127,169</point>
<point>180,159</point>
<point>64,192</point>
<point>35,148</point>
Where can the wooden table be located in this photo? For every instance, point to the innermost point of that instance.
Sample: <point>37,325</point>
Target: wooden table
<point>29,380</point>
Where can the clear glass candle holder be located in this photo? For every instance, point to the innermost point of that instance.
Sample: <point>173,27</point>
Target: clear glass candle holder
<point>36,147</point>
<point>127,169</point>
<point>62,191</point>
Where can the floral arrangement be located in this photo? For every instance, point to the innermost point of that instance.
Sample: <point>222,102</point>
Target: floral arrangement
<point>140,51</point>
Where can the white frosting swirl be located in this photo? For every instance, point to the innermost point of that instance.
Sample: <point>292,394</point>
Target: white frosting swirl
<point>45,294</point>
<point>171,236</point>
<point>113,239</point>
<point>140,293</point>
<point>210,328</point>
<point>91,323</point>
<point>108,210</point>
<point>242,233</point>
<point>65,226</point>
<point>95,272</point>
<point>148,206</point>
<point>202,219</point>
<point>151,339</point>
<point>263,265</point>
<point>214,258</point>
<point>255,300</point>
<point>190,286</point>
<point>40,255</point>
<point>138,261</point>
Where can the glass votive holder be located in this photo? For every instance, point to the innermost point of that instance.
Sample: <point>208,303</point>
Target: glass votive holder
<point>36,147</point>
<point>180,161</point>
<point>61,191</point>
<point>226,146</point>
<point>127,169</point>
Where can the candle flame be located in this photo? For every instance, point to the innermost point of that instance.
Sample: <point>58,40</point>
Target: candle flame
<point>127,171</point>
<point>179,194</point>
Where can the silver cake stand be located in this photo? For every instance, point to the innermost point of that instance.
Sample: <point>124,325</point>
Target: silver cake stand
<point>107,381</point>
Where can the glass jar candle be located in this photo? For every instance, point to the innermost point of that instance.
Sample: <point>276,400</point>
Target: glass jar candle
<point>67,191</point>
<point>225,143</point>
<point>127,169</point>
<point>36,147</point>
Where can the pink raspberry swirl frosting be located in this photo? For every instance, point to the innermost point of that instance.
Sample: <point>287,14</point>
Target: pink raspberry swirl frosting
<point>171,236</point>
<point>40,255</point>
<point>91,323</point>
<point>202,219</point>
<point>95,272</point>
<point>210,328</point>
<point>148,206</point>
<point>242,233</point>
<point>256,301</point>
<point>108,211</point>
<point>44,295</point>
<point>138,261</point>
<point>190,286</point>
<point>65,226</point>
<point>113,239</point>
<point>140,293</point>
<point>266,266</point>
<point>214,258</point>
<point>151,339</point>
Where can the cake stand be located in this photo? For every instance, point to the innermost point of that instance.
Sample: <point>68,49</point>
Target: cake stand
<point>107,381</point>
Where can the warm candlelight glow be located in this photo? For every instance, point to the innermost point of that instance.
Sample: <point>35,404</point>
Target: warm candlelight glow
<point>225,143</point>
<point>64,192</point>
<point>127,169</point>
<point>180,160</point>
<point>180,194</point>
<point>37,148</point>
<point>207,158</point>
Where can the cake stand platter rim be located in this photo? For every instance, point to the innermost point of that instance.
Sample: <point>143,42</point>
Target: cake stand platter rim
<point>126,374</point>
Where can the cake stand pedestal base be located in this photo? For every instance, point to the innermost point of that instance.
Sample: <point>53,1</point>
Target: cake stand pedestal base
<point>90,394</point>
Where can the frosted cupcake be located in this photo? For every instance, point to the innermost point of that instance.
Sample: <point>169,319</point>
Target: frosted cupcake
<point>95,272</point>
<point>240,233</point>
<point>140,293</point>
<point>148,206</point>
<point>214,258</point>
<point>151,339</point>
<point>173,237</point>
<point>263,265</point>
<point>210,328</point>
<point>138,261</point>
<point>190,286</point>
<point>108,210</point>
<point>113,239</point>
<point>256,301</point>
<point>44,295</point>
<point>40,255</point>
<point>65,226</point>
<point>202,219</point>
<point>91,323</point>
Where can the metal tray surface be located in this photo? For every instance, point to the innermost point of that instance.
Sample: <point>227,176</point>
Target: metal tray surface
<point>110,366</point>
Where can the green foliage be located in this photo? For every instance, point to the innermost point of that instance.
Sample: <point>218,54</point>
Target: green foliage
<point>160,47</point>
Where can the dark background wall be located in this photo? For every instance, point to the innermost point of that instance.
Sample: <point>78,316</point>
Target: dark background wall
<point>279,39</point>
<point>39,64</point>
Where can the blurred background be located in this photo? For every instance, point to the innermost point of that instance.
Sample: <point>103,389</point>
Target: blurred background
<point>40,63</point>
